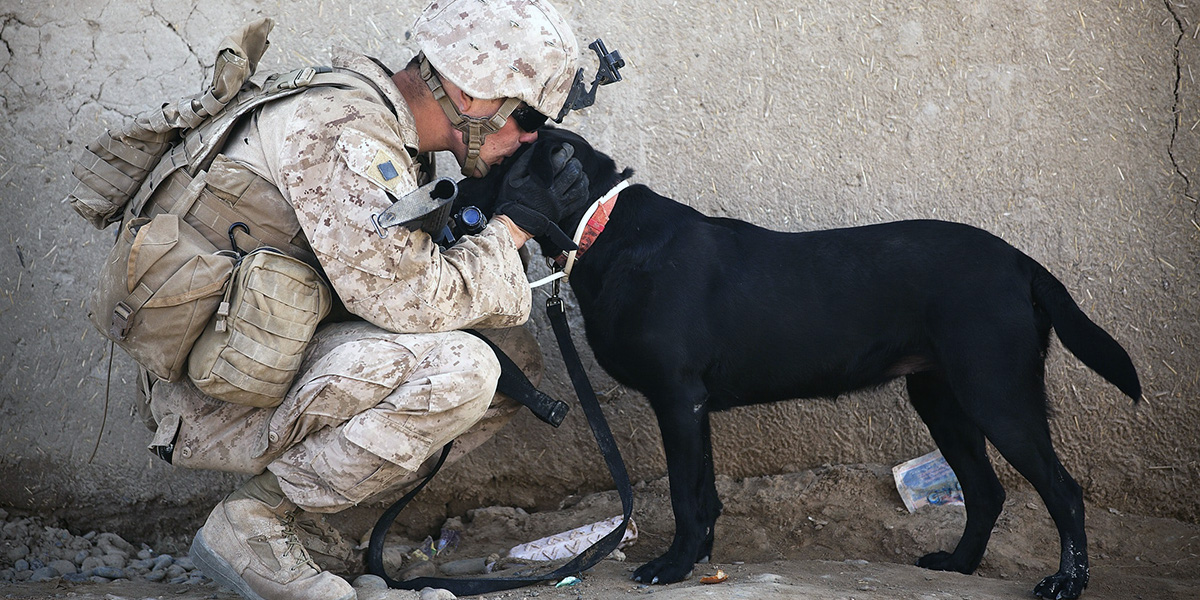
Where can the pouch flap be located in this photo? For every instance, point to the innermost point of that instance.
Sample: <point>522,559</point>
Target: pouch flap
<point>153,241</point>
<point>203,276</point>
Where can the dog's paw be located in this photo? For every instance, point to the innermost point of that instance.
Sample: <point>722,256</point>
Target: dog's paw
<point>941,561</point>
<point>663,569</point>
<point>1060,586</point>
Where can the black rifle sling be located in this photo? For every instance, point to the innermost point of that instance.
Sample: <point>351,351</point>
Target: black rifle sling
<point>612,457</point>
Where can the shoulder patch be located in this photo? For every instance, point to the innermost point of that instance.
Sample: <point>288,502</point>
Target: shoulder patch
<point>376,161</point>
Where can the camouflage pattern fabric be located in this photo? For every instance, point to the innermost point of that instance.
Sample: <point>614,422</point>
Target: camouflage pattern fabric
<point>325,149</point>
<point>367,416</point>
<point>376,399</point>
<point>501,49</point>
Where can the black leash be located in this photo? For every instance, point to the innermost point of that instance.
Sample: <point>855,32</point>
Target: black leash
<point>612,457</point>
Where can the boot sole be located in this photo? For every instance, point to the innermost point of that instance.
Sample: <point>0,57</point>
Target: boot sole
<point>218,569</point>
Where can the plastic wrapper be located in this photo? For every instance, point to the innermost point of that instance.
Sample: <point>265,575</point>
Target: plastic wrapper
<point>927,481</point>
<point>570,543</point>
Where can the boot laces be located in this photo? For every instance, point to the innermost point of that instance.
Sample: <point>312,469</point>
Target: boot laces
<point>295,548</point>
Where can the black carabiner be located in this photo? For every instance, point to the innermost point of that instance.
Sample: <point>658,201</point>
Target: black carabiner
<point>233,240</point>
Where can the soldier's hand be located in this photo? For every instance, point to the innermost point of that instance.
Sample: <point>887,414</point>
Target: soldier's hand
<point>538,196</point>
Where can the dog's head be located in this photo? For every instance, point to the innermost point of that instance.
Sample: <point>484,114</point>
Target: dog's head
<point>600,168</point>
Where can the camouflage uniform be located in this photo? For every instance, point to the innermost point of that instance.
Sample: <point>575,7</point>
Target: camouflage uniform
<point>376,399</point>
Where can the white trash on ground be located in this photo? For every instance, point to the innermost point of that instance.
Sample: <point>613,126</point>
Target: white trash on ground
<point>927,480</point>
<point>570,543</point>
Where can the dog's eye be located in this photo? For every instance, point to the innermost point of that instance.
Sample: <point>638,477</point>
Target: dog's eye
<point>528,119</point>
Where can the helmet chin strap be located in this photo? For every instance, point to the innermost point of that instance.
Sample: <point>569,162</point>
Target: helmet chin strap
<point>474,129</point>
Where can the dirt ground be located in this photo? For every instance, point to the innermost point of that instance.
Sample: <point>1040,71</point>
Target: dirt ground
<point>833,533</point>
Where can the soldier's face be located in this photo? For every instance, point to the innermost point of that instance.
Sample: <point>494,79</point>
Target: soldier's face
<point>497,146</point>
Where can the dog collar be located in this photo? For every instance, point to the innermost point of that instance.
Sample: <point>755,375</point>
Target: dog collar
<point>590,226</point>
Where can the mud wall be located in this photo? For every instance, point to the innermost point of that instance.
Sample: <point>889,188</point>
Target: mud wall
<point>1068,129</point>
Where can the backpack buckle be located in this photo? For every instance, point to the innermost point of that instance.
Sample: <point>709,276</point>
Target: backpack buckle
<point>300,77</point>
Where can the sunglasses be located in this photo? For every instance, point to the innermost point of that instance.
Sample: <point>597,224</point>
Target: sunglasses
<point>528,118</point>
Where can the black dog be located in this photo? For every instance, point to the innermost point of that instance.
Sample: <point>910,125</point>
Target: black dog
<point>701,314</point>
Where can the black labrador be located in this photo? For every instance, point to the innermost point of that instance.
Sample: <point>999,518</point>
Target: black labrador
<point>701,314</point>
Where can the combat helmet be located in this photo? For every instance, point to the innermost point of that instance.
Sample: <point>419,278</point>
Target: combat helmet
<point>521,51</point>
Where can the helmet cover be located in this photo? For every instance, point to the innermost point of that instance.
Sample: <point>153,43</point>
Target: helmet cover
<point>494,49</point>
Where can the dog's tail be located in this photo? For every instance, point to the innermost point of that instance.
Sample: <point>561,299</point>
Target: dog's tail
<point>1082,337</point>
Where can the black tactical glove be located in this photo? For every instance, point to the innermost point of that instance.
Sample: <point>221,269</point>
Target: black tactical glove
<point>538,197</point>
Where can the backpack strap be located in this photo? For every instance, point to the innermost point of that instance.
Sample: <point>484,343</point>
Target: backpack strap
<point>202,143</point>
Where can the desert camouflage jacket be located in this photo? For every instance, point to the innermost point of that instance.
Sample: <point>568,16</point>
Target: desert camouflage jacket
<point>335,155</point>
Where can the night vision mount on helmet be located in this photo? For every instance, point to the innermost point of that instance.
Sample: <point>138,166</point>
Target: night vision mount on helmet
<point>608,72</point>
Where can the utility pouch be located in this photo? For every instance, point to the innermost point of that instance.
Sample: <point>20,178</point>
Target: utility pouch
<point>251,350</point>
<point>161,283</point>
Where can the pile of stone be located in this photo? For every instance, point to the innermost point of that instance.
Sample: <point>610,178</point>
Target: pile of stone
<point>31,551</point>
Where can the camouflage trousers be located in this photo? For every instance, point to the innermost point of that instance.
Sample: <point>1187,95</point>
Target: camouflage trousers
<point>368,413</point>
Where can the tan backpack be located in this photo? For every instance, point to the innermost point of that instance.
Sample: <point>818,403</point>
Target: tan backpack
<point>165,279</point>
<point>114,166</point>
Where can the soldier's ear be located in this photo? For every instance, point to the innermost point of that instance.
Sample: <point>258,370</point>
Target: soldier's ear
<point>461,99</point>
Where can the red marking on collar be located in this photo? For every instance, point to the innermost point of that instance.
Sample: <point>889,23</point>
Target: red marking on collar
<point>593,229</point>
<point>595,225</point>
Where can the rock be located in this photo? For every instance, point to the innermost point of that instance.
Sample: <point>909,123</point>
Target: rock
<point>370,582</point>
<point>21,565</point>
<point>437,594</point>
<point>175,571</point>
<point>108,572</point>
<point>141,564</point>
<point>145,553</point>
<point>163,561</point>
<point>99,579</point>
<point>8,575</point>
<point>44,574</point>
<point>17,553</point>
<point>81,556</point>
<point>156,575</point>
<point>422,568</point>
<point>186,562</point>
<point>115,560</point>
<point>466,566</point>
<point>75,577</point>
<point>90,563</point>
<point>24,575</point>
<point>64,567</point>
<point>116,541</point>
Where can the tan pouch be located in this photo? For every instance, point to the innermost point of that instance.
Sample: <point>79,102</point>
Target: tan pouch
<point>250,352</point>
<point>159,287</point>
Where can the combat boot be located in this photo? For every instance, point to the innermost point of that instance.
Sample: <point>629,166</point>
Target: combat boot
<point>326,546</point>
<point>249,545</point>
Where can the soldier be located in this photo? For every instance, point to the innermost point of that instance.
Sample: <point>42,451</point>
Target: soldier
<point>378,396</point>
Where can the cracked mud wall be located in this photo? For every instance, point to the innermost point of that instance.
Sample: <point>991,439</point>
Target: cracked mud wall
<point>1073,131</point>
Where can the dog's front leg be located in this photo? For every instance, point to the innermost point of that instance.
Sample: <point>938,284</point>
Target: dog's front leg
<point>683,419</point>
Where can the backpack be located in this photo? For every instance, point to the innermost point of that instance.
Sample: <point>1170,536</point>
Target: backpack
<point>166,278</point>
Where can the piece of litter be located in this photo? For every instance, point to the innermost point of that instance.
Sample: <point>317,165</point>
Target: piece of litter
<point>570,543</point>
<point>718,578</point>
<point>567,581</point>
<point>927,480</point>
